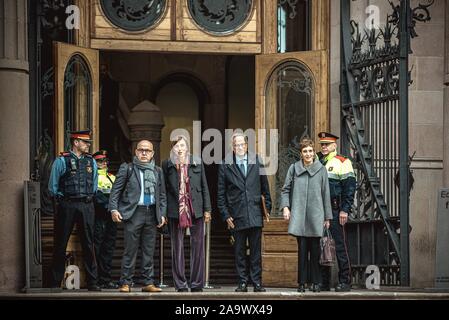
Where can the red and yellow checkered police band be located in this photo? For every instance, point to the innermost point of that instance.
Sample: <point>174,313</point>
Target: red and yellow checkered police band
<point>326,137</point>
<point>100,155</point>
<point>81,135</point>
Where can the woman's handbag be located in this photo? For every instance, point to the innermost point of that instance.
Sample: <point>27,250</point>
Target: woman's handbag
<point>327,244</point>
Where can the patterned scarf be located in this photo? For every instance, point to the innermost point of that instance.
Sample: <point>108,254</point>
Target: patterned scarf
<point>185,199</point>
<point>148,175</point>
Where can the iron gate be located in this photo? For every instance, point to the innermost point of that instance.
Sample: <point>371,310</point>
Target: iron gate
<point>374,100</point>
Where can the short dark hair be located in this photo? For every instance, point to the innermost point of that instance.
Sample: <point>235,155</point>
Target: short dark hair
<point>306,142</point>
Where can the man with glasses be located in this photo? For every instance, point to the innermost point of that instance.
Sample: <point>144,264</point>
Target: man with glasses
<point>138,201</point>
<point>240,187</point>
<point>73,183</point>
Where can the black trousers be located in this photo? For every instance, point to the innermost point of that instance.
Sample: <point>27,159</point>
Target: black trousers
<point>309,264</point>
<point>140,229</point>
<point>83,215</point>
<point>341,245</point>
<point>105,234</point>
<point>253,236</point>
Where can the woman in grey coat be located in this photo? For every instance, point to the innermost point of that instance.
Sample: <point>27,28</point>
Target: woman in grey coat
<point>305,201</point>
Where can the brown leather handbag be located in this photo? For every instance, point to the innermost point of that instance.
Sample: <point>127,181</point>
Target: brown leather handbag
<point>327,244</point>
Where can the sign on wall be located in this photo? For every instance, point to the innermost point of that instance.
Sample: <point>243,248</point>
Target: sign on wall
<point>442,249</point>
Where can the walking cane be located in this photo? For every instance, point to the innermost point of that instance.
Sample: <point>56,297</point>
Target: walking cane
<point>207,285</point>
<point>161,263</point>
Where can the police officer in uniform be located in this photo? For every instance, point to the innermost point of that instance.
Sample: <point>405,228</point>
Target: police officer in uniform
<point>342,184</point>
<point>73,183</point>
<point>105,230</point>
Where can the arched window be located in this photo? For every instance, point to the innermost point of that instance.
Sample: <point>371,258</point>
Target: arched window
<point>77,97</point>
<point>289,101</point>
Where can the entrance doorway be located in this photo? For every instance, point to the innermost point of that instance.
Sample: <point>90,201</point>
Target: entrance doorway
<point>218,91</point>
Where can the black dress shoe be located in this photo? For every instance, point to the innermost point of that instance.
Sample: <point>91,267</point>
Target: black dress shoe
<point>259,288</point>
<point>343,287</point>
<point>316,288</point>
<point>243,287</point>
<point>196,289</point>
<point>94,287</point>
<point>182,290</point>
<point>302,288</point>
<point>109,285</point>
<point>325,287</point>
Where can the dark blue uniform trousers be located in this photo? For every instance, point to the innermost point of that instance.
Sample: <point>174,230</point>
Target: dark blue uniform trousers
<point>341,245</point>
<point>105,234</point>
<point>69,213</point>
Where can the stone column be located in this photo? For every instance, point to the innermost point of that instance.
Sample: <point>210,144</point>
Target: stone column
<point>145,122</point>
<point>446,103</point>
<point>14,140</point>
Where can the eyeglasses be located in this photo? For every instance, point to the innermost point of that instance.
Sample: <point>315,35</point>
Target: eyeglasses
<point>144,150</point>
<point>241,145</point>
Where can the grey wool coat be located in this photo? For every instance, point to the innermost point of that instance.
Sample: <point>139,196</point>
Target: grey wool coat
<point>306,193</point>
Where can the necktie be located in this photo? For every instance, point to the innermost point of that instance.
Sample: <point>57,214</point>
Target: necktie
<point>242,168</point>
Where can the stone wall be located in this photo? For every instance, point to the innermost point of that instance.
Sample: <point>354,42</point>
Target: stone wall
<point>426,138</point>
<point>14,143</point>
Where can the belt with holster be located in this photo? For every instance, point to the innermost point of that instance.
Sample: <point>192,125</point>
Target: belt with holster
<point>87,199</point>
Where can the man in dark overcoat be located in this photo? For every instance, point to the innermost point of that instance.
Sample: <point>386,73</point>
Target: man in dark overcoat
<point>240,187</point>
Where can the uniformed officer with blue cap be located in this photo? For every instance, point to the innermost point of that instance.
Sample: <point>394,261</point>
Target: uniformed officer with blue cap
<point>73,184</point>
<point>342,189</point>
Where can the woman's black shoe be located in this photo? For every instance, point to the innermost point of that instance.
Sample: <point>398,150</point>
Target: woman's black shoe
<point>302,288</point>
<point>316,288</point>
<point>182,290</point>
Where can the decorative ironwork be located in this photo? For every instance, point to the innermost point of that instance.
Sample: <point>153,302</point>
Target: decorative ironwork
<point>52,17</point>
<point>76,72</point>
<point>300,82</point>
<point>134,15</point>
<point>47,83</point>
<point>291,4</point>
<point>220,17</point>
<point>43,162</point>
<point>372,98</point>
<point>420,13</point>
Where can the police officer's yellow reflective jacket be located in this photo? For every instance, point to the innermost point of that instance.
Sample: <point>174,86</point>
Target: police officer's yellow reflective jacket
<point>342,180</point>
<point>105,182</point>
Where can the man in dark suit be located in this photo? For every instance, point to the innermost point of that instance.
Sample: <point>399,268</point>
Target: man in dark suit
<point>138,200</point>
<point>240,187</point>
